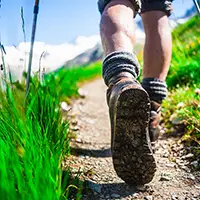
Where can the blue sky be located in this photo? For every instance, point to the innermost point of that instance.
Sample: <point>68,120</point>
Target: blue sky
<point>59,21</point>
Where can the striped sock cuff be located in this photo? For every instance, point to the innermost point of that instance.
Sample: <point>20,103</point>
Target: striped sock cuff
<point>156,89</point>
<point>120,61</point>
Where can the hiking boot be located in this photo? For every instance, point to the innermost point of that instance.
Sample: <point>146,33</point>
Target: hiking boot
<point>154,127</point>
<point>129,109</point>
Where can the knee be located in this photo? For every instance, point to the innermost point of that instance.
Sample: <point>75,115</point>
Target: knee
<point>117,16</point>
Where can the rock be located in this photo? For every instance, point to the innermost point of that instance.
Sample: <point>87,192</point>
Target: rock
<point>148,197</point>
<point>135,195</point>
<point>89,56</point>
<point>195,163</point>
<point>198,187</point>
<point>75,128</point>
<point>82,93</point>
<point>174,196</point>
<point>79,140</point>
<point>165,154</point>
<point>180,105</point>
<point>165,177</point>
<point>65,107</point>
<point>115,195</point>
<point>170,165</point>
<point>175,119</point>
<point>197,91</point>
<point>190,176</point>
<point>184,168</point>
<point>190,155</point>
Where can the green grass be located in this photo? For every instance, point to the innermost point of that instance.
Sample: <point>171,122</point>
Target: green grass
<point>69,79</point>
<point>34,139</point>
<point>186,54</point>
<point>184,104</point>
<point>33,142</point>
<point>183,80</point>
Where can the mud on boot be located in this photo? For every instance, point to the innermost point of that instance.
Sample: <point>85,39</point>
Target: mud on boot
<point>129,109</point>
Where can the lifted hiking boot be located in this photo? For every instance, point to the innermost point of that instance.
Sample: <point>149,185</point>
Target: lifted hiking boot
<point>129,108</point>
<point>154,127</point>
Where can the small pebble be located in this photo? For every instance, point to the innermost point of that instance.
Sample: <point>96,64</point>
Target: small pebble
<point>174,196</point>
<point>190,176</point>
<point>198,187</point>
<point>197,91</point>
<point>135,195</point>
<point>78,140</point>
<point>165,177</point>
<point>82,93</point>
<point>75,128</point>
<point>180,105</point>
<point>148,198</point>
<point>170,165</point>
<point>194,163</point>
<point>65,106</point>
<point>190,155</point>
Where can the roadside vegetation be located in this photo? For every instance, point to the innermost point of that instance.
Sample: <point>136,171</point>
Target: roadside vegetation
<point>182,107</point>
<point>34,138</point>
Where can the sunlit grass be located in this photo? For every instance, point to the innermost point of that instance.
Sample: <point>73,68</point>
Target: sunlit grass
<point>34,138</point>
<point>183,80</point>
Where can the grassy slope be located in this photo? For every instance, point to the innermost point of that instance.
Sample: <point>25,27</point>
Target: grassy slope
<point>186,54</point>
<point>183,103</point>
<point>34,139</point>
<point>68,79</point>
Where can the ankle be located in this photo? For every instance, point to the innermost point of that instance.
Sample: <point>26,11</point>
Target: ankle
<point>120,64</point>
<point>156,89</point>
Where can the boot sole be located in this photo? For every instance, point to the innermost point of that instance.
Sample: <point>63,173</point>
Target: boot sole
<point>131,147</point>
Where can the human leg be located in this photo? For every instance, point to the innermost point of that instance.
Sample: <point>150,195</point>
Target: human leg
<point>128,102</point>
<point>157,56</point>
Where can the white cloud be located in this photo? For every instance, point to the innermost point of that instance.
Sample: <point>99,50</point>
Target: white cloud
<point>54,57</point>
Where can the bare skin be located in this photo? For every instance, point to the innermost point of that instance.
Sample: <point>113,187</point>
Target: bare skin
<point>118,33</point>
<point>158,45</point>
<point>117,27</point>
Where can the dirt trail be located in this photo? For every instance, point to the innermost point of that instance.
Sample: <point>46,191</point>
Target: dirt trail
<point>173,180</point>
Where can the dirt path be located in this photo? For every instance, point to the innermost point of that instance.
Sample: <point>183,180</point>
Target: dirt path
<point>173,179</point>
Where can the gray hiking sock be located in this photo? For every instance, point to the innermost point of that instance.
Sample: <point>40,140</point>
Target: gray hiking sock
<point>156,89</point>
<point>120,61</point>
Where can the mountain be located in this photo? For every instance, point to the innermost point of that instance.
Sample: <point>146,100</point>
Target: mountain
<point>190,12</point>
<point>89,56</point>
<point>173,21</point>
<point>96,53</point>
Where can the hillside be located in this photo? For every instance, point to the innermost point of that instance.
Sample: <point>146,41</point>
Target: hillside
<point>182,107</point>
